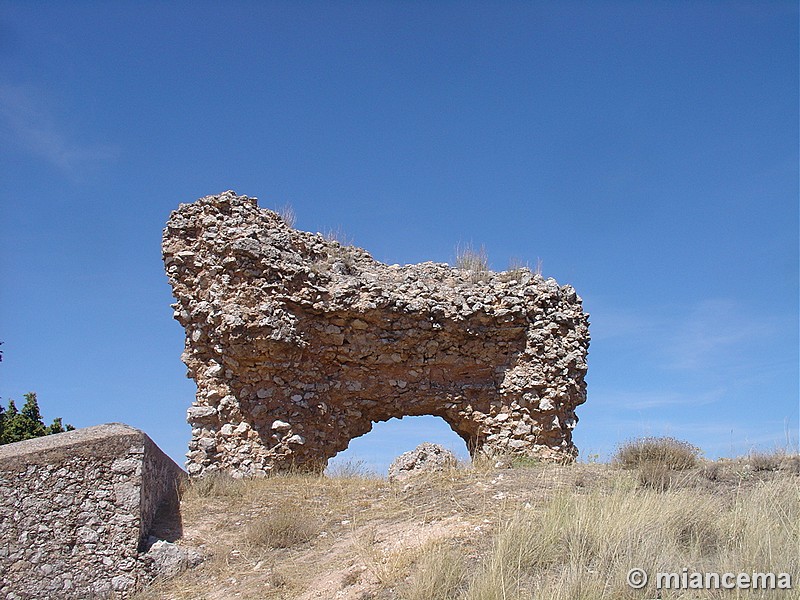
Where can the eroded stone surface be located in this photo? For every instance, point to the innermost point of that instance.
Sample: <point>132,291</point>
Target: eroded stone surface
<point>425,458</point>
<point>298,344</point>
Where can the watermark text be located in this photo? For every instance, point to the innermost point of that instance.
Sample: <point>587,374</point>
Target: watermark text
<point>696,580</point>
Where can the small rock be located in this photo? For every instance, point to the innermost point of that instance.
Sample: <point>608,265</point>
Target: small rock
<point>279,425</point>
<point>214,370</point>
<point>168,560</point>
<point>425,458</point>
<point>197,413</point>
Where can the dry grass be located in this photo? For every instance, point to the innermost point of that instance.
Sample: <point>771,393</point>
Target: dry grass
<point>791,463</point>
<point>440,573</point>
<point>540,531</point>
<point>339,236</point>
<point>351,469</point>
<point>340,255</point>
<point>770,461</point>
<point>286,212</point>
<point>387,564</point>
<point>517,271</point>
<point>214,485</point>
<point>521,271</point>
<point>664,451</point>
<point>289,525</point>
<point>654,475</point>
<point>581,546</point>
<point>474,262</point>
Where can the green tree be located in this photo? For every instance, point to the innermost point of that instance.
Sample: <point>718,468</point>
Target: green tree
<point>16,426</point>
<point>31,417</point>
<point>57,427</point>
<point>8,419</point>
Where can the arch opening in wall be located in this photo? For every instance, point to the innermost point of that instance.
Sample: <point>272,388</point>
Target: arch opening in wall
<point>374,451</point>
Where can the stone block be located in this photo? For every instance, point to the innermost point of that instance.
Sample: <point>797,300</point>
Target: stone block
<point>78,509</point>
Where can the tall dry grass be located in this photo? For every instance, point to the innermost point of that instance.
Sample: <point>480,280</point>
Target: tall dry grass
<point>581,546</point>
<point>440,573</point>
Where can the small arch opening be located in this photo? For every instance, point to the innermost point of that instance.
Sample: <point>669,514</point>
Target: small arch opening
<point>374,451</point>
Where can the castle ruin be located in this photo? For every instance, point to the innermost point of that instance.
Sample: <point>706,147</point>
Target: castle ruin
<point>298,344</point>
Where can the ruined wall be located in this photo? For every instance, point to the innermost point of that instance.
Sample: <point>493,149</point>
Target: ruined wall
<point>76,509</point>
<point>298,344</point>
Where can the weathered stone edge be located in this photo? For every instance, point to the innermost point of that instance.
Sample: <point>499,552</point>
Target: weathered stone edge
<point>48,448</point>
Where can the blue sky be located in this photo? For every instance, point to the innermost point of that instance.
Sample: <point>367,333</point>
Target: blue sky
<point>646,152</point>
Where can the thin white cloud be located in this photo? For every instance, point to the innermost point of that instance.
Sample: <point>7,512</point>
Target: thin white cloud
<point>649,399</point>
<point>668,426</point>
<point>713,332</point>
<point>605,325</point>
<point>31,125</point>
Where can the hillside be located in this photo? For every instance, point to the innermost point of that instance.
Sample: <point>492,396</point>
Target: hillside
<point>486,533</point>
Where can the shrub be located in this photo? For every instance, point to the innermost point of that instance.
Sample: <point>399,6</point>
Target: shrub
<point>667,451</point>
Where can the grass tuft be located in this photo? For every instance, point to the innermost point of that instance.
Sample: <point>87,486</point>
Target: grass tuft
<point>655,476</point>
<point>286,212</point>
<point>338,236</point>
<point>519,270</point>
<point>665,451</point>
<point>214,485</point>
<point>439,574</point>
<point>475,262</point>
<point>285,527</point>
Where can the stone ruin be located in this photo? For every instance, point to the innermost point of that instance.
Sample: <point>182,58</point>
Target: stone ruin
<point>298,343</point>
<point>80,513</point>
